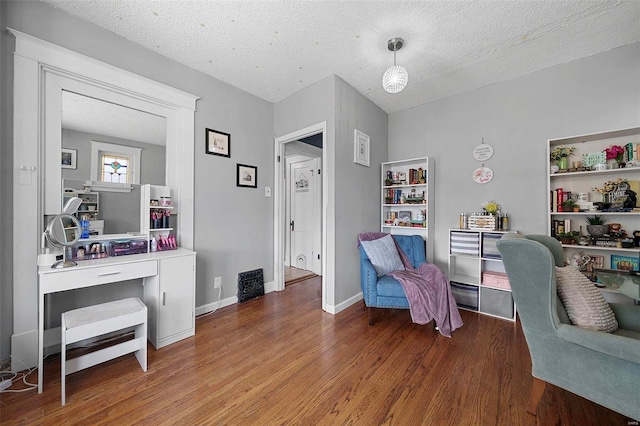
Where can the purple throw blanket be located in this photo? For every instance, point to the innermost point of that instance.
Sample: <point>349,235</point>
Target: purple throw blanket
<point>428,292</point>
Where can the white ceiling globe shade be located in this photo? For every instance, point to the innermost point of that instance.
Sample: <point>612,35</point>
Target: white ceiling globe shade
<point>395,79</point>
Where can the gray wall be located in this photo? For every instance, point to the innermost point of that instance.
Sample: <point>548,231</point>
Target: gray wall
<point>6,183</point>
<point>233,226</point>
<point>312,105</point>
<point>120,210</point>
<point>357,187</point>
<point>152,158</point>
<point>517,117</point>
<point>354,192</point>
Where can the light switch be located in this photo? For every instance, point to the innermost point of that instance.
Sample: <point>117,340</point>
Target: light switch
<point>267,191</point>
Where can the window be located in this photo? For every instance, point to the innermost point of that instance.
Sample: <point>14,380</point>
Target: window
<point>115,168</point>
<point>117,164</point>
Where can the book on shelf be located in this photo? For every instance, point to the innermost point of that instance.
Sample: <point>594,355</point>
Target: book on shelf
<point>625,263</point>
<point>558,227</point>
<point>558,205</point>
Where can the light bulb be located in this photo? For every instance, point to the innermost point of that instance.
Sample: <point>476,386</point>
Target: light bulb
<point>395,79</point>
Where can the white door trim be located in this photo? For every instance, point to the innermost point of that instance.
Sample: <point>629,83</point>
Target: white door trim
<point>279,204</point>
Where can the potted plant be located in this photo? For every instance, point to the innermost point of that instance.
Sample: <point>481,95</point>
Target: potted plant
<point>596,226</point>
<point>615,152</point>
<point>570,205</point>
<point>566,237</point>
<point>560,155</point>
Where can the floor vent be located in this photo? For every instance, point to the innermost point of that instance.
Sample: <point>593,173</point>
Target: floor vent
<point>250,285</point>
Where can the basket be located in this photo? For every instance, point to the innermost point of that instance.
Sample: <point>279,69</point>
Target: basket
<point>482,222</point>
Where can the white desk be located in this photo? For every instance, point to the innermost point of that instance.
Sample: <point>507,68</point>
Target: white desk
<point>169,291</point>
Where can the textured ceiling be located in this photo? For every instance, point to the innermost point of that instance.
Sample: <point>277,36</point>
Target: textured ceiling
<point>272,49</point>
<point>90,115</point>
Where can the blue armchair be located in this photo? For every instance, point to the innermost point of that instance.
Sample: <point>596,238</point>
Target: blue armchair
<point>385,291</point>
<point>602,367</point>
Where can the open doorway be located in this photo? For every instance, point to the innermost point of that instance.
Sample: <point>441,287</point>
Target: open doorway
<point>303,209</point>
<point>311,247</point>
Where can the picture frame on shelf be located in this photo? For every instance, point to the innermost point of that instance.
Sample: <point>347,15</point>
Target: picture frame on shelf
<point>217,143</point>
<point>69,158</point>
<point>361,148</point>
<point>246,176</point>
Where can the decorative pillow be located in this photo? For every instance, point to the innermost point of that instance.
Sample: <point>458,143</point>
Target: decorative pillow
<point>383,255</point>
<point>584,303</point>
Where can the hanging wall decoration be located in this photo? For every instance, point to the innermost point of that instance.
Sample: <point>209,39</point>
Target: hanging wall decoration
<point>483,152</point>
<point>482,174</point>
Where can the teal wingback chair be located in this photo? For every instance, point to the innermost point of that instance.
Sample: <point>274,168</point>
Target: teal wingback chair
<point>601,367</point>
<point>385,291</point>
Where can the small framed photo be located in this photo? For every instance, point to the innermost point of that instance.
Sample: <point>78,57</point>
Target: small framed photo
<point>68,160</point>
<point>247,176</point>
<point>361,148</point>
<point>218,143</point>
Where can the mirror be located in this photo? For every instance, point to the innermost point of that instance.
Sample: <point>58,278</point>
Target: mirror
<point>89,125</point>
<point>63,231</point>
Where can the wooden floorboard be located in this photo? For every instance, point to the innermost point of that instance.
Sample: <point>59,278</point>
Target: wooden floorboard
<point>294,275</point>
<point>280,359</point>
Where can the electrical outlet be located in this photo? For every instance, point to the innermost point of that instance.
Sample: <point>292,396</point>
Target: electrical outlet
<point>217,282</point>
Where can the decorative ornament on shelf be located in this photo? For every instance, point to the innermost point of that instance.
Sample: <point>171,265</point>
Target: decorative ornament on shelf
<point>560,155</point>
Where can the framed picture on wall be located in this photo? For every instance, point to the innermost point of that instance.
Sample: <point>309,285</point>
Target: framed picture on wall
<point>68,160</point>
<point>247,176</point>
<point>361,148</point>
<point>217,143</point>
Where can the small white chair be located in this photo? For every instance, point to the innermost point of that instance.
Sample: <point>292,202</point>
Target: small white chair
<point>93,321</point>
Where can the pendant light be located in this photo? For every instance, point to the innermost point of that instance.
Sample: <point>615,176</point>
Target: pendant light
<point>395,78</point>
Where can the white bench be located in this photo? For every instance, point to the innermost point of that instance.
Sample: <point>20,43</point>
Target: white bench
<point>93,321</point>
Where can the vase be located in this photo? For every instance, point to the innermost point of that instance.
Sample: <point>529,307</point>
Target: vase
<point>612,164</point>
<point>597,230</point>
<point>563,163</point>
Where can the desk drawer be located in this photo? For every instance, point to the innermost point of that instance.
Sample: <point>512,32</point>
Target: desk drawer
<point>78,278</point>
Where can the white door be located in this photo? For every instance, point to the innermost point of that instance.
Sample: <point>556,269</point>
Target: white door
<point>305,213</point>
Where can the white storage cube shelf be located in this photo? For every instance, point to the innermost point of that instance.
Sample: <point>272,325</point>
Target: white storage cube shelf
<point>471,253</point>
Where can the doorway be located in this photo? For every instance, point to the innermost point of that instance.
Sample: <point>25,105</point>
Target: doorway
<point>303,209</point>
<point>282,226</point>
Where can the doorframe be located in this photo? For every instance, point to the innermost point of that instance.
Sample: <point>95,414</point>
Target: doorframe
<point>316,210</point>
<point>279,203</point>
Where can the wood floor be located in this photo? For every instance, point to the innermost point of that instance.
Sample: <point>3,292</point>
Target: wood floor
<point>293,275</point>
<point>280,359</point>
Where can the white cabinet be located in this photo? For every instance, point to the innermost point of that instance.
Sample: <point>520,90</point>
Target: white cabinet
<point>170,298</point>
<point>477,275</point>
<point>606,251</point>
<point>407,188</point>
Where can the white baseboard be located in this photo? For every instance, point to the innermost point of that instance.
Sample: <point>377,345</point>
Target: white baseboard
<point>334,309</point>
<point>210,307</point>
<point>269,287</point>
<point>24,350</point>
